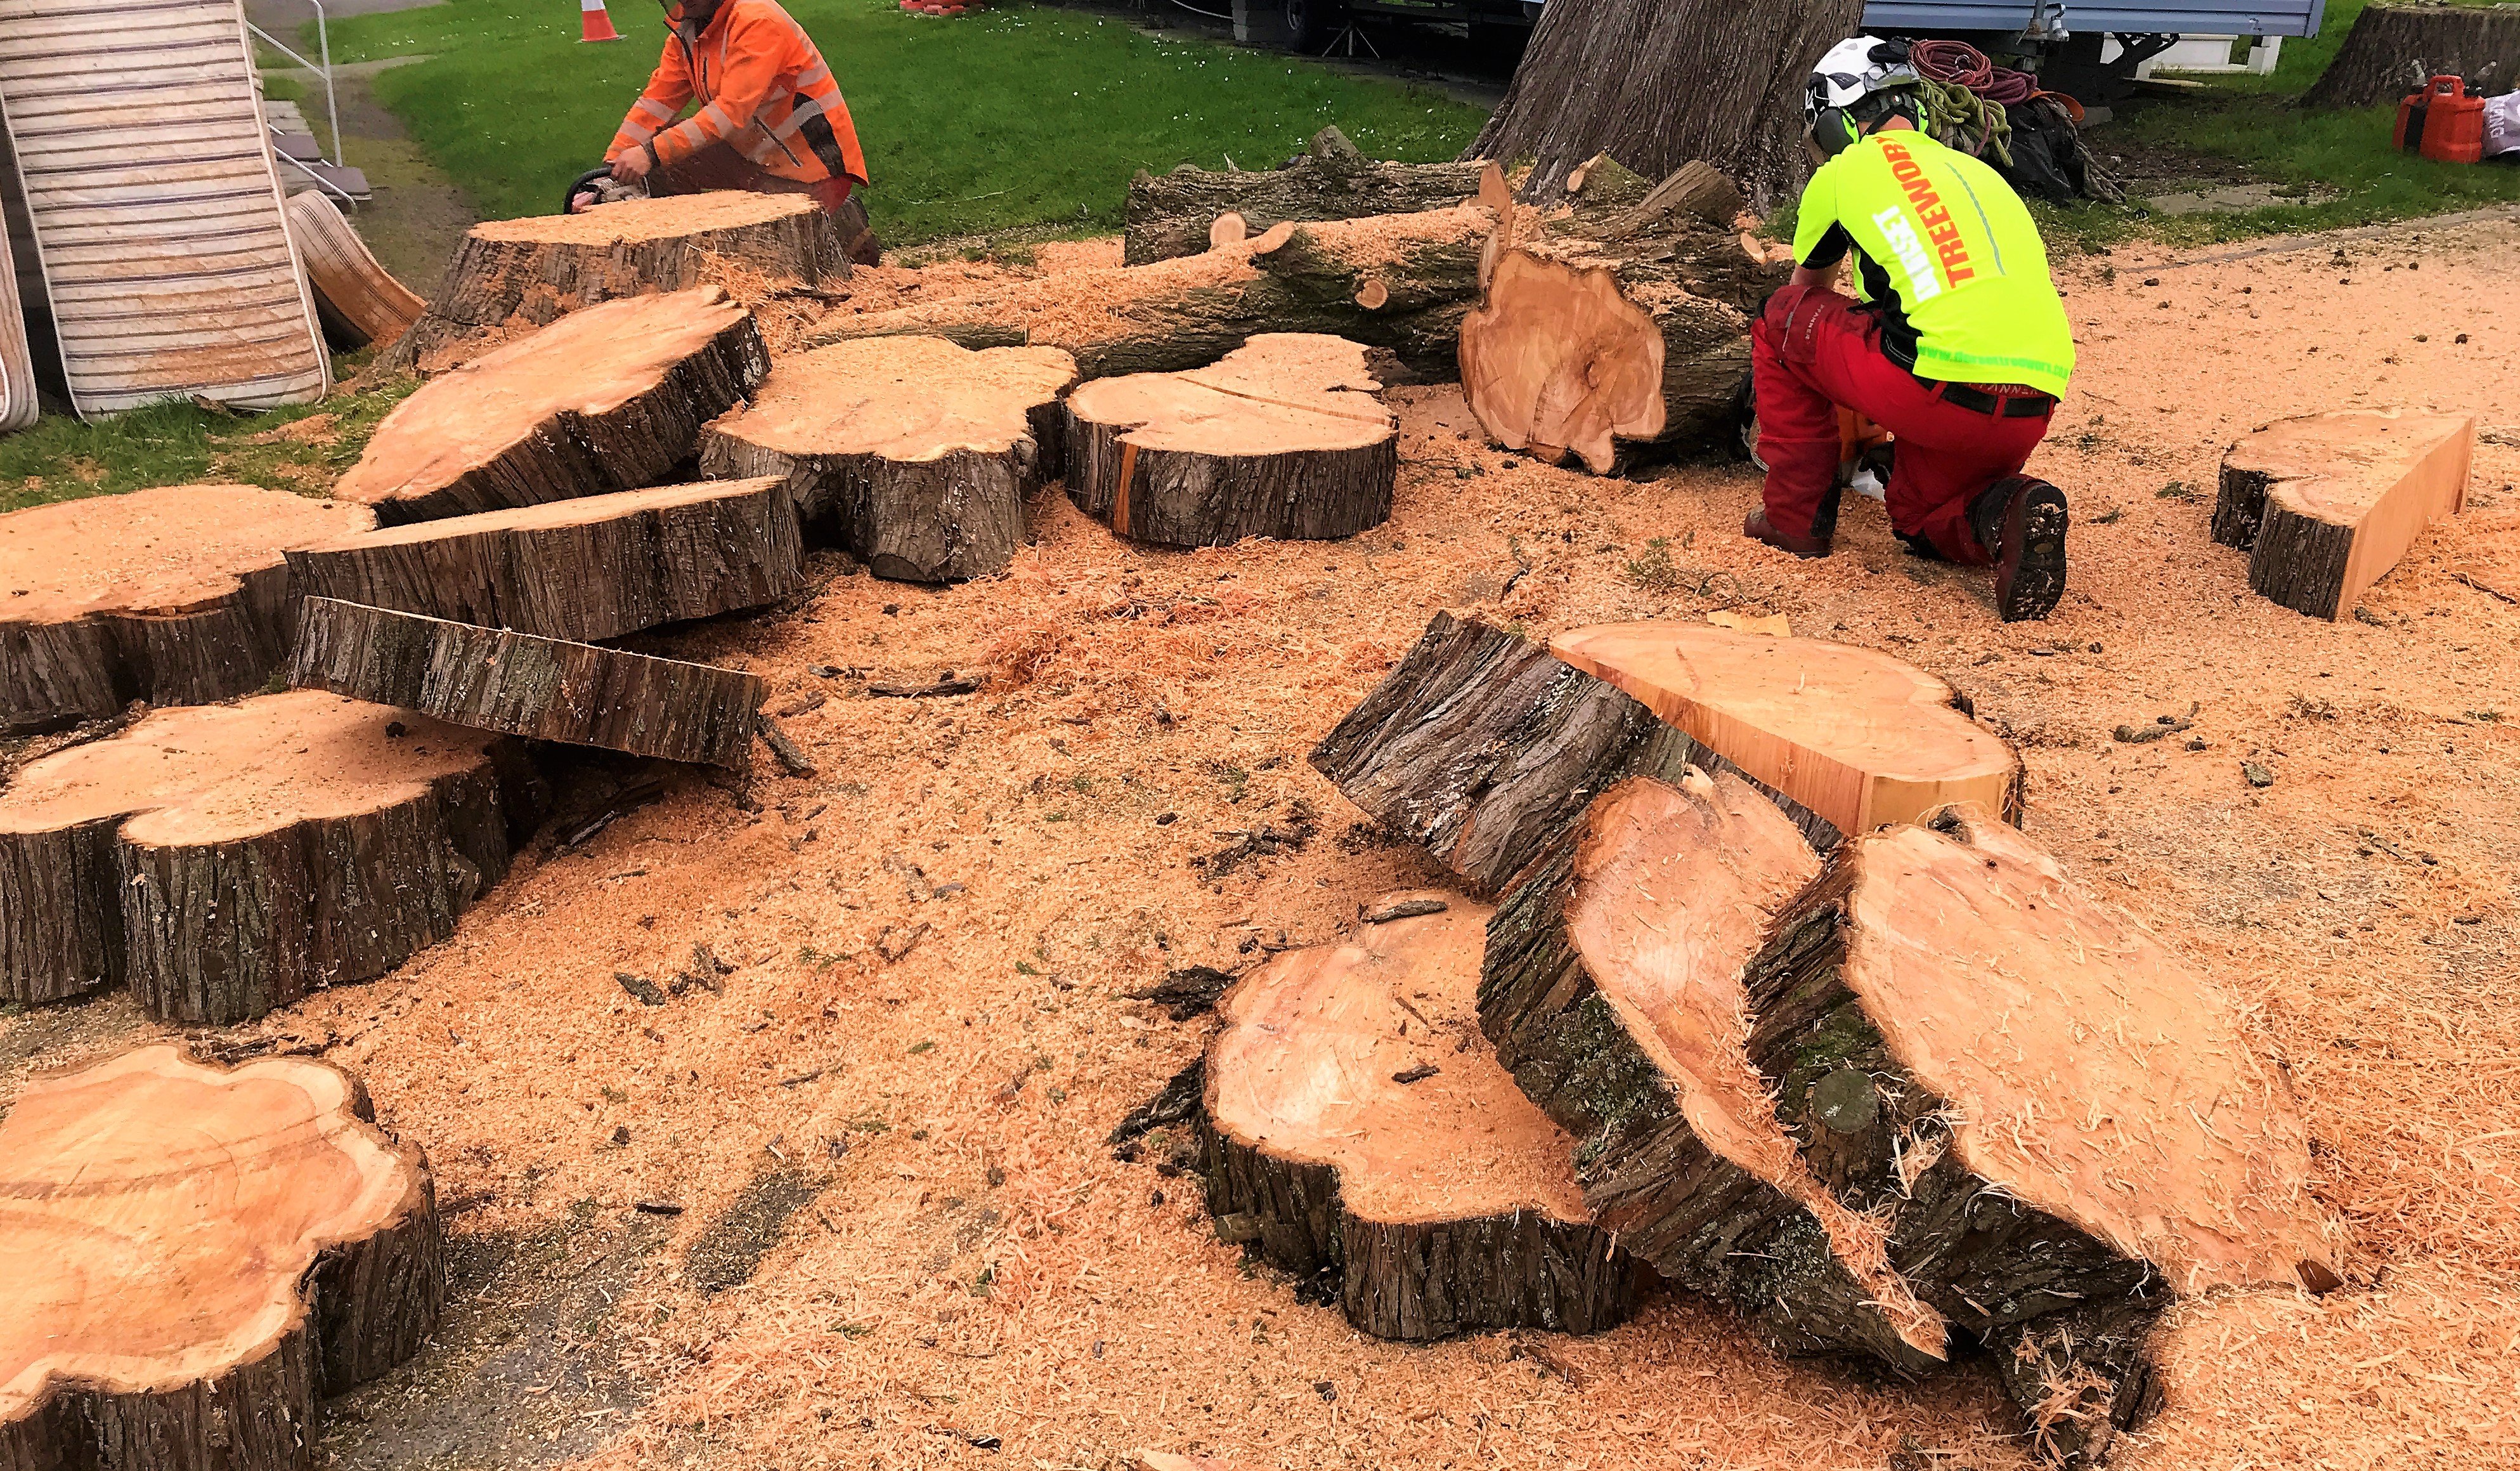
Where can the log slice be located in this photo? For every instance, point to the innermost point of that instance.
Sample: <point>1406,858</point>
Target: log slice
<point>2327,504</point>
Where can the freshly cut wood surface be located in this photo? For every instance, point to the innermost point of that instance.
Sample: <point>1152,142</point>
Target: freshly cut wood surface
<point>920,453</point>
<point>2327,504</point>
<point>192,1257</point>
<point>593,568</point>
<point>1353,1074</point>
<point>608,398</point>
<point>549,689</point>
<point>173,595</point>
<point>226,859</point>
<point>359,300</point>
<point>1281,438</point>
<point>1854,734</point>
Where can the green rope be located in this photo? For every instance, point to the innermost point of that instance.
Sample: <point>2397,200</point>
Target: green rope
<point>1957,116</point>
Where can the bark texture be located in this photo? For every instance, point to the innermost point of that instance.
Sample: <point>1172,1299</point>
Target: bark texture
<point>1170,215</point>
<point>2327,504</point>
<point>57,673</point>
<point>2394,50</point>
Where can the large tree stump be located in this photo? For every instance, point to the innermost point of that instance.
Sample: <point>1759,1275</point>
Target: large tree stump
<point>1854,734</point>
<point>545,688</point>
<point>2394,50</point>
<point>1283,438</point>
<point>358,300</point>
<point>1170,215</point>
<point>510,276</point>
<point>917,453</point>
<point>608,398</point>
<point>595,567</point>
<point>177,596</point>
<point>192,1257</point>
<point>227,859</point>
<point>2327,504</point>
<point>1355,1120</point>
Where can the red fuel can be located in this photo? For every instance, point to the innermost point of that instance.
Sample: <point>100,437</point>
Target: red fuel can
<point>2453,126</point>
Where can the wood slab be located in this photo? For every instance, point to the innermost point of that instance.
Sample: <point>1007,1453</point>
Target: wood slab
<point>2327,504</point>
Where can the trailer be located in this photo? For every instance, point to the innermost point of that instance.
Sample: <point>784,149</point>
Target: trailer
<point>2069,44</point>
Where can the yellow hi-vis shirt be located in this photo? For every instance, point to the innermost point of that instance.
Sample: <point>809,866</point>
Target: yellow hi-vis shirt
<point>1949,255</point>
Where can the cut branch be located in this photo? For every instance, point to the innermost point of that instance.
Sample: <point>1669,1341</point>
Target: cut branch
<point>1172,214</point>
<point>2327,504</point>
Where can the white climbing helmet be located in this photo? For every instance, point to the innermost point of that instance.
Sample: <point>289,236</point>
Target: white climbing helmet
<point>1854,70</point>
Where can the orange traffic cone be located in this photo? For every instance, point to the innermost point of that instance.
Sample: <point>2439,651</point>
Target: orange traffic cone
<point>594,22</point>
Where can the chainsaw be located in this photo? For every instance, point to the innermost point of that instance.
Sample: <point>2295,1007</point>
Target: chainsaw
<point>597,185</point>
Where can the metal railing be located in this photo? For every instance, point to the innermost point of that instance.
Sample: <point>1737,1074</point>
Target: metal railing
<point>332,104</point>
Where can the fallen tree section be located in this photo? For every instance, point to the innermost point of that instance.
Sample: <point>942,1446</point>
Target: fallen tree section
<point>595,567</point>
<point>193,1257</point>
<point>1170,215</point>
<point>919,453</point>
<point>608,398</point>
<point>519,685</point>
<point>1354,1121</point>
<point>2326,505</point>
<point>177,595</point>
<point>224,860</point>
<point>1283,438</point>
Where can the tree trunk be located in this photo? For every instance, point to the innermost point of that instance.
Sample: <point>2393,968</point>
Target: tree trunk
<point>359,300</point>
<point>545,688</point>
<point>177,596</point>
<point>608,398</point>
<point>320,1215</point>
<point>1656,83</point>
<point>161,856</point>
<point>2394,50</point>
<point>1283,438</point>
<point>1353,1124</point>
<point>590,568</point>
<point>917,453</point>
<point>2327,504</point>
<point>1170,215</point>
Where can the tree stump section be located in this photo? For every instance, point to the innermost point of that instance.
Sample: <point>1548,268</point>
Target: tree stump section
<point>510,276</point>
<point>2327,504</point>
<point>608,398</point>
<point>1169,215</point>
<point>919,453</point>
<point>1354,1121</point>
<point>226,859</point>
<point>194,1255</point>
<point>2394,50</point>
<point>519,685</point>
<point>177,596</point>
<point>595,567</point>
<point>358,300</point>
<point>1855,735</point>
<point>1284,437</point>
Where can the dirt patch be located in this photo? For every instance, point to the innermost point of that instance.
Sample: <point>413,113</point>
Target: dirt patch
<point>730,1251</point>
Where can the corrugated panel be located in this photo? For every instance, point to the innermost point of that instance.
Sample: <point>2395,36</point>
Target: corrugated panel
<point>155,204</point>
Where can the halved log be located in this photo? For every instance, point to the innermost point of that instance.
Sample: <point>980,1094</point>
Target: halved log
<point>227,859</point>
<point>919,453</point>
<point>358,300</point>
<point>1355,1120</point>
<point>593,568</point>
<point>1854,734</point>
<point>608,398</point>
<point>2327,503</point>
<point>1170,215</point>
<point>521,684</point>
<point>1281,438</point>
<point>176,596</point>
<point>194,1255</point>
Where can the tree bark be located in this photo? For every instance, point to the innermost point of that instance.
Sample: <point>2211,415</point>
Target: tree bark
<point>358,300</point>
<point>2327,504</point>
<point>548,689</point>
<point>1170,215</point>
<point>2394,50</point>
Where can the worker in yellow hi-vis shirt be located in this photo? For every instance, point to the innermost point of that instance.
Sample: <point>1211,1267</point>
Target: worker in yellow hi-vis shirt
<point>1958,346</point>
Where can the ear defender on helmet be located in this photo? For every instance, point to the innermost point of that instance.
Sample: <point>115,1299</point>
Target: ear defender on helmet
<point>1833,131</point>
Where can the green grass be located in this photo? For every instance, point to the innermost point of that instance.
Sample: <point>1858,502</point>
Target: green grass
<point>177,443</point>
<point>1020,118</point>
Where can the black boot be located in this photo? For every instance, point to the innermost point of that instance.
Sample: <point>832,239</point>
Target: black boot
<point>2021,523</point>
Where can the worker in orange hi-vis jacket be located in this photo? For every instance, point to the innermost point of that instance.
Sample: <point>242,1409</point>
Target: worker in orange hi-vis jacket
<point>771,117</point>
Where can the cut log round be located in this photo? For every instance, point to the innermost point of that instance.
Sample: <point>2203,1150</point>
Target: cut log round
<point>512,275</point>
<point>2327,504</point>
<point>519,685</point>
<point>608,398</point>
<point>917,453</point>
<point>2394,50</point>
<point>1172,214</point>
<point>194,1255</point>
<point>1283,438</point>
<point>227,859</point>
<point>358,300</point>
<point>595,567</point>
<point>1354,1120</point>
<point>177,596</point>
<point>1854,734</point>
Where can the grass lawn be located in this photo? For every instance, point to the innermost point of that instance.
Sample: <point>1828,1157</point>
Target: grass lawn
<point>303,448</point>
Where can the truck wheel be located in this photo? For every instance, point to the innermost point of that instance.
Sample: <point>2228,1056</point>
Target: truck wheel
<point>1310,23</point>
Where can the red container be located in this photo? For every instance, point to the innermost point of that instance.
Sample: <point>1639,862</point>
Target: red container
<point>2408,137</point>
<point>2453,129</point>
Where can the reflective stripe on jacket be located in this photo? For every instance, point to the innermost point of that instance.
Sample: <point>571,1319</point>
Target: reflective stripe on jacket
<point>763,91</point>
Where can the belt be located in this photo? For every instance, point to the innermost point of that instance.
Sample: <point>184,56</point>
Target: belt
<point>2004,401</point>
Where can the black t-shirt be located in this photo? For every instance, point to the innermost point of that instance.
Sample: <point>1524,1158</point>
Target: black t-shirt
<point>1898,338</point>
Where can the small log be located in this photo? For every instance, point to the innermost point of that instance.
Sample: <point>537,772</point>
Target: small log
<point>2327,504</point>
<point>193,1257</point>
<point>1354,1120</point>
<point>2394,50</point>
<point>593,568</point>
<point>358,300</point>
<point>917,453</point>
<point>227,859</point>
<point>546,688</point>
<point>1171,214</point>
<point>1696,189</point>
<point>1283,438</point>
<point>608,398</point>
<point>177,596</point>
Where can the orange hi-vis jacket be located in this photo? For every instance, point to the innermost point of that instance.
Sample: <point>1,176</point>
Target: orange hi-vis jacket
<point>763,91</point>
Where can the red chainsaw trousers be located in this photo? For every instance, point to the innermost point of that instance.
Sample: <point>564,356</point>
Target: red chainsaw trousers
<point>1814,351</point>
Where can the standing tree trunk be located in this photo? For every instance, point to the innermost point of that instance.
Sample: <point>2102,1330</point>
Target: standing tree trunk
<point>2395,49</point>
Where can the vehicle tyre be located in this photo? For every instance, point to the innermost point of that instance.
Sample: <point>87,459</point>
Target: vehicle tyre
<point>1310,23</point>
